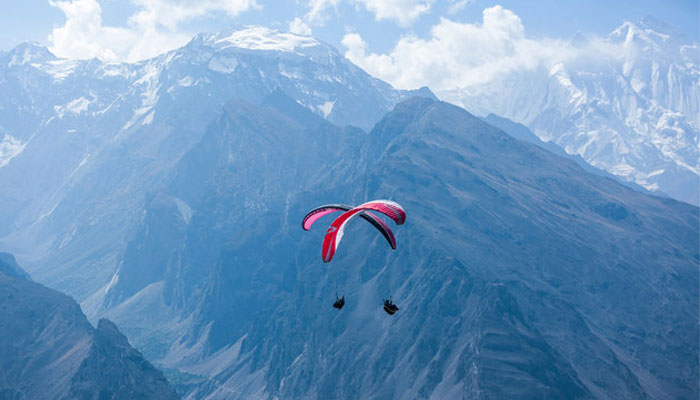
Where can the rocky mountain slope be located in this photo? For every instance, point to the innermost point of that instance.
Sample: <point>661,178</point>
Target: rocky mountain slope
<point>518,273</point>
<point>50,351</point>
<point>82,141</point>
<point>167,196</point>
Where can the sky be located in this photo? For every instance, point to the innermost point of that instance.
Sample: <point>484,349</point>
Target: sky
<point>380,22</point>
<point>385,37</point>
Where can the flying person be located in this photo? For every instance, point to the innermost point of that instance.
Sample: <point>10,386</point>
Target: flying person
<point>390,307</point>
<point>335,232</point>
<point>339,302</point>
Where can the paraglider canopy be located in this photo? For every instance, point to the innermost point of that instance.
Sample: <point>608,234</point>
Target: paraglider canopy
<point>319,212</point>
<point>335,232</point>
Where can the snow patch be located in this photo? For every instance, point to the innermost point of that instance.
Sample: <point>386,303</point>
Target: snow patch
<point>112,282</point>
<point>149,118</point>
<point>10,147</point>
<point>261,38</point>
<point>82,162</point>
<point>289,74</point>
<point>138,113</point>
<point>26,57</point>
<point>149,83</point>
<point>186,81</point>
<point>115,69</point>
<point>326,108</point>
<point>655,173</point>
<point>48,213</point>
<point>185,210</point>
<point>622,169</point>
<point>57,69</point>
<point>75,107</point>
<point>224,64</point>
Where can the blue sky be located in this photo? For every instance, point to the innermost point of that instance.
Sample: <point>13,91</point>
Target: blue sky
<point>34,20</point>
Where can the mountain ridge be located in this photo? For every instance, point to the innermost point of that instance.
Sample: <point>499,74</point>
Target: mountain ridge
<point>89,118</point>
<point>50,350</point>
<point>180,222</point>
<point>504,243</point>
<point>634,114</point>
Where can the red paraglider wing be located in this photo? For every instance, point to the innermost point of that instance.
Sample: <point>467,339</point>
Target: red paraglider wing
<point>335,231</point>
<point>387,207</point>
<point>318,212</point>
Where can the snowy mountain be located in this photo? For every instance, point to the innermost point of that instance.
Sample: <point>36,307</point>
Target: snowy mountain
<point>50,351</point>
<point>518,274</point>
<point>167,195</point>
<point>636,115</point>
<point>82,141</point>
<point>521,132</point>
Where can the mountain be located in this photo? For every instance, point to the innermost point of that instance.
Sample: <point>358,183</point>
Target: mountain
<point>521,132</point>
<point>81,142</point>
<point>633,114</point>
<point>518,273</point>
<point>9,267</point>
<point>167,196</point>
<point>50,351</point>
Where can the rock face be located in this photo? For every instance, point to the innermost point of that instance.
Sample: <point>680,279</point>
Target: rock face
<point>9,266</point>
<point>48,350</point>
<point>518,273</point>
<point>634,114</point>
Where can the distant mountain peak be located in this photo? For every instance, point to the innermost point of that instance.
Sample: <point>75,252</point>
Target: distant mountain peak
<point>579,39</point>
<point>29,52</point>
<point>9,266</point>
<point>649,33</point>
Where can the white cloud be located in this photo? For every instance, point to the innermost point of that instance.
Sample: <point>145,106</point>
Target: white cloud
<point>317,10</point>
<point>299,27</point>
<point>83,36</point>
<point>153,29</point>
<point>462,55</point>
<point>458,5</point>
<point>404,12</point>
<point>169,13</point>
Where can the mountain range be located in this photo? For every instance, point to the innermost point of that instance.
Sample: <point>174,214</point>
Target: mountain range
<point>167,196</point>
<point>84,139</point>
<point>634,114</point>
<point>50,350</point>
<point>518,274</point>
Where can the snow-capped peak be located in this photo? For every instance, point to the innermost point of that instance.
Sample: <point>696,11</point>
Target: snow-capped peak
<point>652,37</point>
<point>262,38</point>
<point>630,33</point>
<point>29,52</point>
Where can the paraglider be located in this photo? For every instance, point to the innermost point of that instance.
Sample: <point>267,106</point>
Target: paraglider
<point>339,302</point>
<point>335,232</point>
<point>318,212</point>
<point>390,307</point>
